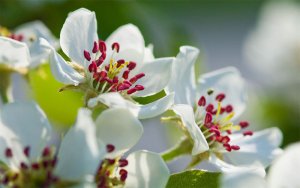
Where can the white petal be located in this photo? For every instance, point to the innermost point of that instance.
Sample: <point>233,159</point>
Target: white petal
<point>146,169</point>
<point>80,154</point>
<point>244,178</point>
<point>79,33</point>
<point>285,170</point>
<point>62,71</point>
<point>183,76</point>
<point>29,123</point>
<point>187,117</point>
<point>14,53</point>
<point>119,127</point>
<point>157,76</point>
<point>229,81</point>
<point>148,53</point>
<point>130,39</point>
<point>260,148</point>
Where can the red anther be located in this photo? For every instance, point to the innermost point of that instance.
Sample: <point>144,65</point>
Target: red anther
<point>127,82</point>
<point>8,153</point>
<point>244,124</point>
<point>15,177</point>
<point>35,166</point>
<point>229,108</point>
<point>140,75</point>
<point>46,163</point>
<point>218,138</point>
<point>107,173</point>
<point>225,139</point>
<point>110,81</point>
<point>228,131</point>
<point>130,91</point>
<point>95,48</point>
<point>220,97</point>
<point>23,166</point>
<point>26,151</point>
<point>111,161</point>
<point>115,80</point>
<point>125,74</point>
<point>103,55</point>
<point>202,101</point>
<point>5,180</point>
<point>216,131</point>
<point>235,147</point>
<point>46,152</point>
<point>87,55</point>
<point>110,148</point>
<point>208,125</point>
<point>227,147</point>
<point>123,177</point>
<point>120,62</point>
<point>101,182</point>
<point>123,86</point>
<point>131,65</point>
<point>208,118</point>
<point>123,171</point>
<point>99,61</point>
<point>93,67</point>
<point>222,110</point>
<point>115,46</point>
<point>54,162</point>
<point>20,38</point>
<point>209,108</point>
<point>123,162</point>
<point>139,87</point>
<point>102,46</point>
<point>133,79</point>
<point>248,133</point>
<point>214,112</point>
<point>106,67</point>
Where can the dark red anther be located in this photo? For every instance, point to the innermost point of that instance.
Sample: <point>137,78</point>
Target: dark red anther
<point>123,86</point>
<point>8,153</point>
<point>102,46</point>
<point>95,48</point>
<point>106,67</point>
<point>54,162</point>
<point>216,131</point>
<point>222,110</point>
<point>248,133</point>
<point>131,65</point>
<point>111,161</point>
<point>228,131</point>
<point>133,79</point>
<point>110,148</point>
<point>93,67</point>
<point>35,166</point>
<point>140,75</point>
<point>220,97</point>
<point>120,62</point>
<point>99,61</point>
<point>5,180</point>
<point>244,124</point>
<point>208,118</point>
<point>130,91</point>
<point>115,46</point>
<point>125,74</point>
<point>235,147</point>
<point>23,166</point>
<point>123,162</point>
<point>225,139</point>
<point>227,147</point>
<point>229,108</point>
<point>46,152</point>
<point>123,171</point>
<point>115,80</point>
<point>103,55</point>
<point>209,108</point>
<point>202,101</point>
<point>87,55</point>
<point>46,163</point>
<point>15,177</point>
<point>110,81</point>
<point>127,82</point>
<point>26,151</point>
<point>139,87</point>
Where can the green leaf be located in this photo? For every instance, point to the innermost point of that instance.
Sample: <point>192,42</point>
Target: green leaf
<point>194,179</point>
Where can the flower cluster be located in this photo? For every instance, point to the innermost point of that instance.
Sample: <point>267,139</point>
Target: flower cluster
<point>114,74</point>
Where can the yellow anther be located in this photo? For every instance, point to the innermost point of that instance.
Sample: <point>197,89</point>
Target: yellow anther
<point>4,32</point>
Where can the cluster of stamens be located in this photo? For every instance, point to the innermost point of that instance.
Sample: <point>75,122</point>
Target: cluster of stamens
<point>111,172</point>
<point>112,77</point>
<point>31,173</point>
<point>6,33</point>
<point>215,123</point>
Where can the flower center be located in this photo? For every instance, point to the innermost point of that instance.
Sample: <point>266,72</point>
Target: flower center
<point>111,172</point>
<point>7,33</point>
<point>37,173</point>
<point>215,121</point>
<point>114,76</point>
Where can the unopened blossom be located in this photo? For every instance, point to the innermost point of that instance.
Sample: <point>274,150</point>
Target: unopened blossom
<point>207,111</point>
<point>120,64</point>
<point>30,160</point>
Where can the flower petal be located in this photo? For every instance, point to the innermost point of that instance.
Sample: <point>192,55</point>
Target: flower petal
<point>148,53</point>
<point>129,38</point>
<point>29,123</point>
<point>285,170</point>
<point>146,169</point>
<point>157,76</point>
<point>260,148</point>
<point>119,127</point>
<point>80,153</point>
<point>226,80</point>
<point>14,53</point>
<point>183,76</point>
<point>79,33</point>
<point>62,71</point>
<point>187,117</point>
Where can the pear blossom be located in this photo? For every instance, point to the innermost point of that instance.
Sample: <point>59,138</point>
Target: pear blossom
<point>24,39</point>
<point>119,130</point>
<point>282,173</point>
<point>207,110</point>
<point>120,64</point>
<point>30,160</point>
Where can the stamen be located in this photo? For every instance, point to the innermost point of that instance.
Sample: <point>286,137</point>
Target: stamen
<point>131,65</point>
<point>130,91</point>
<point>46,152</point>
<point>102,46</point>
<point>208,118</point>
<point>87,55</point>
<point>125,74</point>
<point>220,97</point>
<point>229,108</point>
<point>235,147</point>
<point>95,48</point>
<point>209,108</point>
<point>116,46</point>
<point>202,101</point>
<point>26,151</point>
<point>139,87</point>
<point>244,124</point>
<point>248,133</point>
<point>123,162</point>
<point>8,153</point>
<point>110,148</point>
<point>93,67</point>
